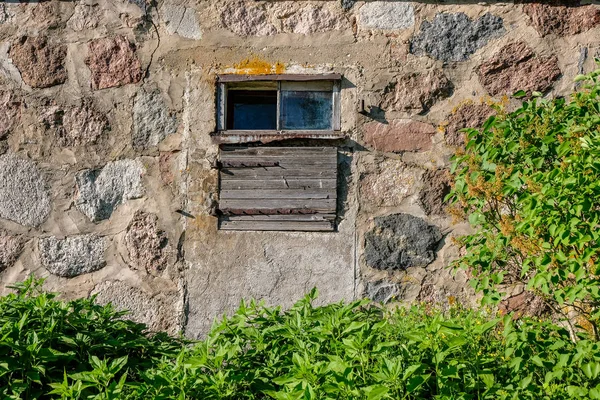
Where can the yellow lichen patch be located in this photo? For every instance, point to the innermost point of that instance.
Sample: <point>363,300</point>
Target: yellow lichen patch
<point>257,66</point>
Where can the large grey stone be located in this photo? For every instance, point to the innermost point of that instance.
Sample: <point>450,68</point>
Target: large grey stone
<point>455,37</point>
<point>72,256</point>
<point>387,15</point>
<point>399,241</point>
<point>182,21</point>
<point>152,121</point>
<point>100,191</point>
<point>23,195</point>
<point>159,313</point>
<point>382,291</point>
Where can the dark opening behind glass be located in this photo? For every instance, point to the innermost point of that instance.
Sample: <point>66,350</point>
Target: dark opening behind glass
<point>309,110</point>
<point>252,109</point>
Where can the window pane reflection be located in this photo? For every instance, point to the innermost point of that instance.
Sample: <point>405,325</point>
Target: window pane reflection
<point>310,110</point>
<point>252,109</point>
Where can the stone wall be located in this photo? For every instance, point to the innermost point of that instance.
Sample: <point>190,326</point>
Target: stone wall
<point>107,178</point>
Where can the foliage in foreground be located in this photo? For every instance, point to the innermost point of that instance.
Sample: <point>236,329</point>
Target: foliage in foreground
<point>80,350</point>
<point>530,181</point>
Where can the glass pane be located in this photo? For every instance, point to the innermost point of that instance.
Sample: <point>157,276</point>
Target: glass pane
<point>252,109</point>
<point>306,110</point>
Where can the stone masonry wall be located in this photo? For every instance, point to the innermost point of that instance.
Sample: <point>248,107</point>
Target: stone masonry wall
<point>107,184</point>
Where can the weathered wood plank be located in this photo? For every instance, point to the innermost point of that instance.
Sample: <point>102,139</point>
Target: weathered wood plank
<point>276,151</point>
<point>313,226</point>
<point>323,158</point>
<point>230,183</point>
<point>315,205</point>
<point>278,194</point>
<point>288,163</point>
<point>292,217</point>
<point>266,173</point>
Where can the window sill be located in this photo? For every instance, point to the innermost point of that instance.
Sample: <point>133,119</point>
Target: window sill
<point>240,136</point>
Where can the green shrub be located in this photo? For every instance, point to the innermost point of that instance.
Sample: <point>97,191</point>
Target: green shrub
<point>79,350</point>
<point>530,181</point>
<point>42,339</point>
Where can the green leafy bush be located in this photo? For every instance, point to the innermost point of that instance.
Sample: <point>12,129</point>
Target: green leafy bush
<point>79,350</point>
<point>42,339</point>
<point>530,181</point>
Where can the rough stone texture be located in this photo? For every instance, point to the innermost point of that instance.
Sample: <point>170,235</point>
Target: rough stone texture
<point>40,62</point>
<point>113,62</point>
<point>436,186</point>
<point>152,121</point>
<point>10,111</point>
<point>11,247</point>
<point>85,16</point>
<point>382,291</point>
<point>158,312</point>
<point>77,125</point>
<point>399,241</point>
<point>99,192</point>
<point>23,195</point>
<point>181,21</point>
<point>148,245</point>
<point>348,4</point>
<point>399,135</point>
<point>313,19</point>
<point>562,17</point>
<point>455,37</point>
<point>3,13</point>
<point>416,92</point>
<point>72,256</point>
<point>214,270</point>
<point>468,115</point>
<point>524,304</point>
<point>387,15</point>
<point>247,19</point>
<point>516,67</point>
<point>389,185</point>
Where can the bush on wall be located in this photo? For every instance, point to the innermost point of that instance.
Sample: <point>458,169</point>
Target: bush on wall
<point>529,180</point>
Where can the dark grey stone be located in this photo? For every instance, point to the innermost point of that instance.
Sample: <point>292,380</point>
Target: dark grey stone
<point>347,4</point>
<point>399,241</point>
<point>381,291</point>
<point>455,37</point>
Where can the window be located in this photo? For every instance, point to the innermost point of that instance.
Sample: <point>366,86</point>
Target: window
<point>277,188</point>
<point>306,106</point>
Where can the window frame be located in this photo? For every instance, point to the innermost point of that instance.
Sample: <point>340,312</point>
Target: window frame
<point>227,82</point>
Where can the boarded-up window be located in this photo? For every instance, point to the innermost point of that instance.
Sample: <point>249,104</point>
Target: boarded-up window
<point>278,188</point>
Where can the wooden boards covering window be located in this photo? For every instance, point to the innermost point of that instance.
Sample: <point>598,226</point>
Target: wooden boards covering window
<point>278,188</point>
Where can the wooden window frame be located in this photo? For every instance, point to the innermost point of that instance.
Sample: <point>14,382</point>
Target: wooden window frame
<point>274,82</point>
